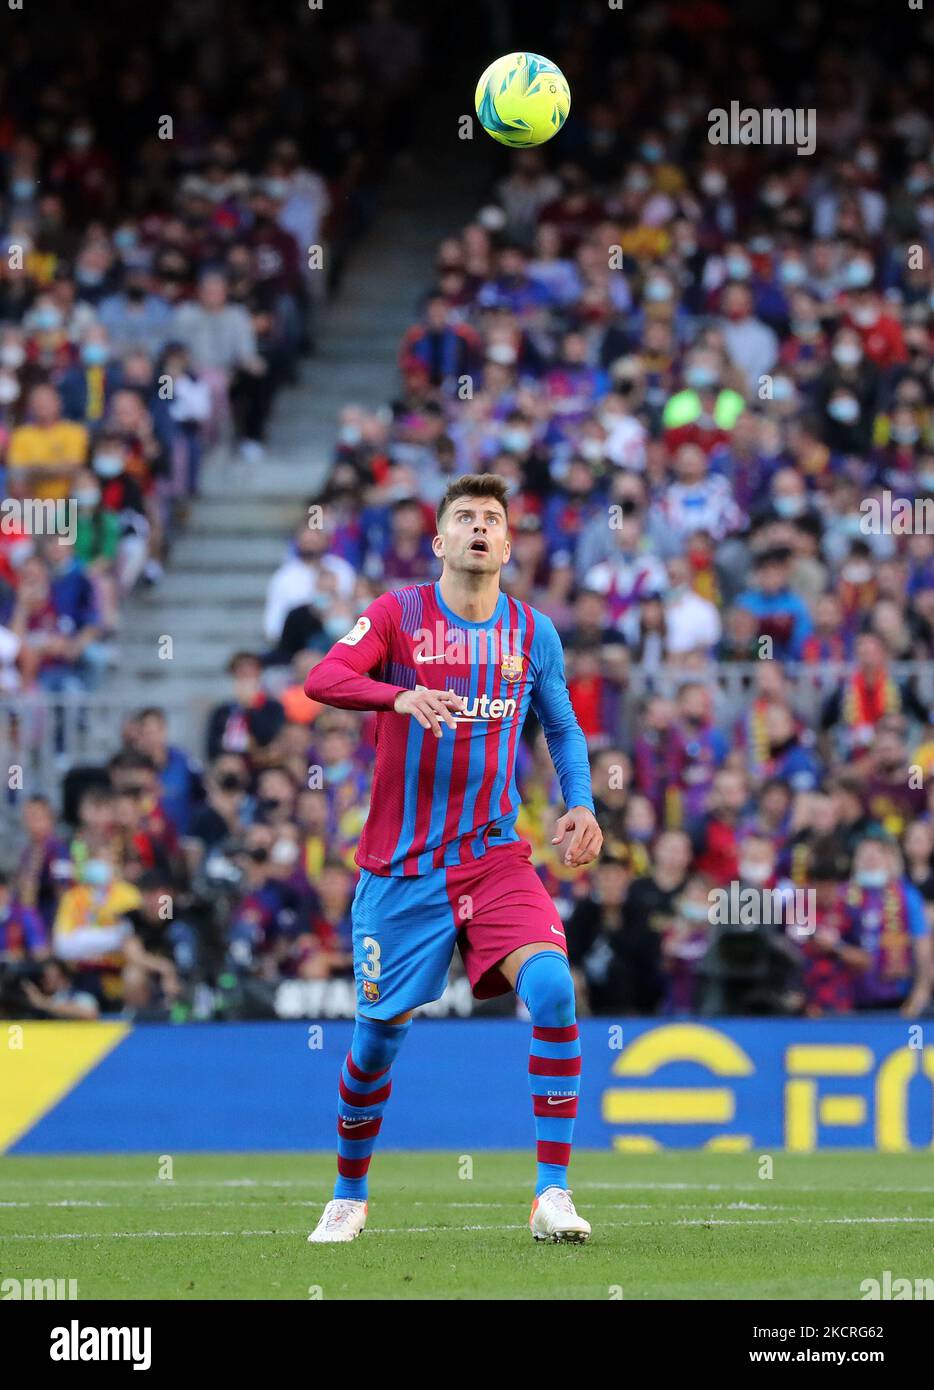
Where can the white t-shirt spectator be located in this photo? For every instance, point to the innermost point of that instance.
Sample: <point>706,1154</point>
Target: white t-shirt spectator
<point>692,623</point>
<point>297,582</point>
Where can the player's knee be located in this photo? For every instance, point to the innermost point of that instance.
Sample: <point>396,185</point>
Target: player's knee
<point>375,1043</point>
<point>546,988</point>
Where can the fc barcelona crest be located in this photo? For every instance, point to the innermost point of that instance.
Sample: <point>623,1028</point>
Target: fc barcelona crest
<point>511,667</point>
<point>370,991</point>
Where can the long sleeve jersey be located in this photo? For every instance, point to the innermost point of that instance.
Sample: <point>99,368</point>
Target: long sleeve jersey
<point>441,802</point>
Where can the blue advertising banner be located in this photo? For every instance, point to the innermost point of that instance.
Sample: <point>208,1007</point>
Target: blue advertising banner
<point>720,1085</point>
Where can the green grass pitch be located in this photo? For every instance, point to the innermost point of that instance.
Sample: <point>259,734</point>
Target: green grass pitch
<point>673,1225</point>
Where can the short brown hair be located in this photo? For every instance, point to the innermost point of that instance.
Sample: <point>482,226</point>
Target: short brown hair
<point>475,485</point>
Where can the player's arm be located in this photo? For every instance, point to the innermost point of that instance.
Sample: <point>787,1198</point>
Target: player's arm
<point>568,748</point>
<point>342,678</point>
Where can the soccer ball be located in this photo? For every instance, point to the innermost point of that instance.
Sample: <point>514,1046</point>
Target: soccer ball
<point>522,99</point>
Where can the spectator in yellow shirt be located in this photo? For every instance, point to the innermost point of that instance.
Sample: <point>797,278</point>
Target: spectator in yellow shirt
<point>44,455</point>
<point>93,925</point>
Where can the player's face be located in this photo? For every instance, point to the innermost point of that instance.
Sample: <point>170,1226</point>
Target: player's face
<point>474,537</point>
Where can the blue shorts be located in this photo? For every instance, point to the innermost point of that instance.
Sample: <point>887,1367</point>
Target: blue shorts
<point>405,930</point>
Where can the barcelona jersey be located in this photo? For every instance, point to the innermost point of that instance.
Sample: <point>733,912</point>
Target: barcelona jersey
<point>442,802</point>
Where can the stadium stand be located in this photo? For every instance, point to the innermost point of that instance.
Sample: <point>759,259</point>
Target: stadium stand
<point>705,385</point>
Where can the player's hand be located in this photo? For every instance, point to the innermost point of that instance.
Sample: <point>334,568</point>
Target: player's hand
<point>430,707</point>
<point>586,836</point>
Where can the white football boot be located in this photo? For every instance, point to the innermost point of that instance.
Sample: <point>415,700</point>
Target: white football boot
<point>553,1217</point>
<point>342,1219</point>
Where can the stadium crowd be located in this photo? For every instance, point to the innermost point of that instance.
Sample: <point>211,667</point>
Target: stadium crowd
<point>166,245</point>
<point>695,365</point>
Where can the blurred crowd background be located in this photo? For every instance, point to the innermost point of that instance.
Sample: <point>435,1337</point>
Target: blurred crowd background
<point>176,205</point>
<point>694,365</point>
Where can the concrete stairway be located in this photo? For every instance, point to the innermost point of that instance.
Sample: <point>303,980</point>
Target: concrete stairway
<point>211,600</point>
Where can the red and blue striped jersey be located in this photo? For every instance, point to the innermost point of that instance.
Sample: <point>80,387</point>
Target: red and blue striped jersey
<point>440,802</point>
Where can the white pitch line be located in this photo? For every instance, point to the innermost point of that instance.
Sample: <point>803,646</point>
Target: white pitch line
<point>312,1185</point>
<point>147,1235</point>
<point>489,1227</point>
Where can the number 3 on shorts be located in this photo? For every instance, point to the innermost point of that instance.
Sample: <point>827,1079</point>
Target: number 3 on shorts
<point>371,965</point>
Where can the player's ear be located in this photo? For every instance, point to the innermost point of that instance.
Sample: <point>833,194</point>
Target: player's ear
<point>507,551</point>
<point>437,546</point>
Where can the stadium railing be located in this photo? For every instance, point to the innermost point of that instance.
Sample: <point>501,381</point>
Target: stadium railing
<point>43,736</point>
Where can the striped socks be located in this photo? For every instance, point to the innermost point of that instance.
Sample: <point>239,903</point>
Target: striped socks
<point>545,986</point>
<point>364,1090</point>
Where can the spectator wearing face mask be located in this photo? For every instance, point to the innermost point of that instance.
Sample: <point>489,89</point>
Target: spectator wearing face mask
<point>684,941</point>
<point>120,496</point>
<point>881,334</point>
<point>270,914</point>
<point>847,395</point>
<point>87,387</point>
<point>220,816</point>
<point>300,580</point>
<point>136,318</point>
<point>886,921</point>
<point>84,173</point>
<point>92,926</point>
<point>897,461</point>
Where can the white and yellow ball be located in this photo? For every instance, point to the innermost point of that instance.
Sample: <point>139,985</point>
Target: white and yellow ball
<point>522,99</point>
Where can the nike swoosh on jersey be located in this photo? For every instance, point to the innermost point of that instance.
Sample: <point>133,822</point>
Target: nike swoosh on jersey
<point>420,660</point>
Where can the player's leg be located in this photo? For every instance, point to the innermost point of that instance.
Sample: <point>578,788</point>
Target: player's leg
<point>541,977</point>
<point>513,939</point>
<point>403,939</point>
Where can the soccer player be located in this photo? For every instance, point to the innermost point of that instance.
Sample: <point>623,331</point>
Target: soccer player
<point>452,668</point>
